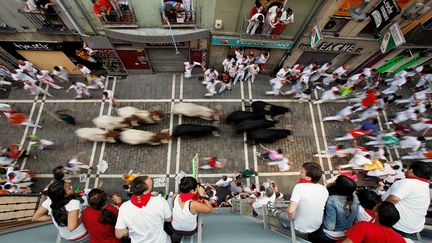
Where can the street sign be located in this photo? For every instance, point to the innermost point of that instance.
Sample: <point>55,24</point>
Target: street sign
<point>394,37</point>
<point>315,37</point>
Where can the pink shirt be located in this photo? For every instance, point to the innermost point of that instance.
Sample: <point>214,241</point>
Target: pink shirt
<point>274,155</point>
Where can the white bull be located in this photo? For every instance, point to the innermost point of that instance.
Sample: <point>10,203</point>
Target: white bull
<point>115,122</point>
<point>97,134</point>
<point>144,115</point>
<point>135,137</point>
<point>194,110</point>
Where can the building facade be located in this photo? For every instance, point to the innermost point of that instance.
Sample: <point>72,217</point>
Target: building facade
<point>134,38</point>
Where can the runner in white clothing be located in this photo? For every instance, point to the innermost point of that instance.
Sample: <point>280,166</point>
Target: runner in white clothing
<point>320,71</point>
<point>210,74</point>
<point>240,73</point>
<point>276,84</point>
<point>27,67</point>
<point>252,72</point>
<point>80,89</point>
<point>282,73</point>
<point>227,62</point>
<point>341,115</point>
<point>34,89</point>
<point>44,77</point>
<point>189,66</point>
<point>60,72</point>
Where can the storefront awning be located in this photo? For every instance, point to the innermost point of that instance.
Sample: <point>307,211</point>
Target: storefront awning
<point>156,35</point>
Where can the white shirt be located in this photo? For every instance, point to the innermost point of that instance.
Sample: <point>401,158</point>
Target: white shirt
<point>410,142</point>
<point>282,72</point>
<point>222,183</point>
<point>61,74</point>
<point>63,231</point>
<point>413,205</point>
<point>346,111</point>
<point>255,17</point>
<point>28,66</point>
<point>211,75</point>
<point>251,68</point>
<point>110,94</point>
<point>85,70</point>
<point>189,66</point>
<point>78,87</point>
<point>340,71</point>
<point>276,85</point>
<point>311,199</point>
<point>183,219</point>
<point>257,205</point>
<point>284,18</point>
<point>145,224</point>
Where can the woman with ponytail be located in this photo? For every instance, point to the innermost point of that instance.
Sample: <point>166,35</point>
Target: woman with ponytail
<point>64,209</point>
<point>101,217</point>
<point>191,201</point>
<point>340,211</point>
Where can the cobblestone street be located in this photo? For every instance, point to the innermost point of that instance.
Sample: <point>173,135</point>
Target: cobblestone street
<point>160,92</point>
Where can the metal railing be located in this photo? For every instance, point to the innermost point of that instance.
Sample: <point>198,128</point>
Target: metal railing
<point>46,22</point>
<point>270,222</point>
<point>185,18</point>
<point>120,17</point>
<point>4,28</point>
<point>15,208</point>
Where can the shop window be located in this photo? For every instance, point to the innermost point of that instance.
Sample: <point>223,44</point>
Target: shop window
<point>334,26</point>
<point>181,14</point>
<point>114,12</point>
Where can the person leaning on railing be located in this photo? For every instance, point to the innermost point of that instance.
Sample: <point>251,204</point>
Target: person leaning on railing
<point>171,11</point>
<point>307,202</point>
<point>191,201</point>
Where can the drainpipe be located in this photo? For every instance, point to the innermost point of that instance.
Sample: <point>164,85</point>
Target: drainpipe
<point>316,8</point>
<point>84,13</point>
<point>71,19</point>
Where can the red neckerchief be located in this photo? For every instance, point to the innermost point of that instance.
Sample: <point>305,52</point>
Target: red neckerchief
<point>305,181</point>
<point>372,214</point>
<point>141,201</point>
<point>416,177</point>
<point>187,196</point>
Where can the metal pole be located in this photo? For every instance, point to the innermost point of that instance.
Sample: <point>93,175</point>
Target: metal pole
<point>172,36</point>
<point>199,228</point>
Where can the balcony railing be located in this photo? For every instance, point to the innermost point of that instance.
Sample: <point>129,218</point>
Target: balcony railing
<point>47,22</point>
<point>119,18</point>
<point>185,19</point>
<point>4,28</point>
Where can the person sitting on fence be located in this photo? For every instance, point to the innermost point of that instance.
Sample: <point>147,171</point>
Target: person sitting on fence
<point>257,205</point>
<point>191,201</point>
<point>307,202</point>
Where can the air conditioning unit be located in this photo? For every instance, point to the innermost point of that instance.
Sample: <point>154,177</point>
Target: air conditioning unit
<point>218,24</point>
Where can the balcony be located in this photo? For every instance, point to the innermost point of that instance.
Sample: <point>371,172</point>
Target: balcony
<point>49,23</point>
<point>184,20</point>
<point>120,19</point>
<point>4,28</point>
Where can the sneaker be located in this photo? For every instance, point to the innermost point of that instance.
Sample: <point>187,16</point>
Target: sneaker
<point>272,209</point>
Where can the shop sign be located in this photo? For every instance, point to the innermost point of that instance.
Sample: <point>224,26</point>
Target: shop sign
<point>412,62</point>
<point>315,37</point>
<point>390,63</point>
<point>237,42</point>
<point>169,44</point>
<point>347,4</point>
<point>32,46</point>
<point>394,37</point>
<point>334,47</point>
<point>384,13</point>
